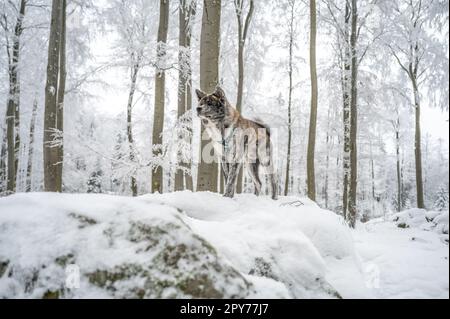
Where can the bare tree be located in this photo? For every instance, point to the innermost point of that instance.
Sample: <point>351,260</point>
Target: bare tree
<point>415,53</point>
<point>137,59</point>
<point>61,95</point>
<point>352,191</point>
<point>3,167</point>
<point>160,87</point>
<point>28,187</point>
<point>311,179</point>
<point>209,78</point>
<point>54,92</point>
<point>243,27</point>
<point>291,30</point>
<point>13,46</point>
<point>187,12</point>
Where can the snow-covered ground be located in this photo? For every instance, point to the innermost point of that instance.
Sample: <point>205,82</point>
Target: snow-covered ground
<point>203,245</point>
<point>407,255</point>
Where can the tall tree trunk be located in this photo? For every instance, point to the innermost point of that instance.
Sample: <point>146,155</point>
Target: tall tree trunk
<point>3,153</point>
<point>291,88</point>
<point>242,37</point>
<point>160,87</point>
<point>13,105</point>
<point>51,182</point>
<point>311,179</point>
<point>209,78</point>
<point>352,193</point>
<point>16,54</point>
<point>133,79</point>
<point>399,169</point>
<point>61,95</point>
<point>372,175</point>
<point>418,145</point>
<point>186,13</point>
<point>327,161</point>
<point>346,109</point>
<point>28,187</point>
<point>11,177</point>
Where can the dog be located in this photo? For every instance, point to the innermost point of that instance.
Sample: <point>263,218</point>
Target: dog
<point>237,141</point>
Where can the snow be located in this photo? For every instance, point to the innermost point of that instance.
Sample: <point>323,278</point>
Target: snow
<point>411,262</point>
<point>261,248</point>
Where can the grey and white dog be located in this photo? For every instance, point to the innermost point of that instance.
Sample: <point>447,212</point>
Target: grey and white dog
<point>237,141</point>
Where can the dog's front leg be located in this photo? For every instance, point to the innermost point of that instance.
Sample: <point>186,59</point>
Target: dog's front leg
<point>231,180</point>
<point>225,170</point>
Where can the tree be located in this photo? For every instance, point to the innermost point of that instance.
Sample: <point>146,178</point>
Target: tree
<point>132,51</point>
<point>187,12</point>
<point>160,87</point>
<point>60,98</point>
<point>54,92</point>
<point>421,57</point>
<point>13,103</point>
<point>291,30</point>
<point>31,147</point>
<point>311,179</point>
<point>94,184</point>
<point>209,78</point>
<point>441,203</point>
<point>243,27</point>
<point>352,191</point>
<point>3,166</point>
<point>137,60</point>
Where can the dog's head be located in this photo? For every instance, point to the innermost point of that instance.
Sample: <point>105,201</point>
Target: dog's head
<point>211,107</point>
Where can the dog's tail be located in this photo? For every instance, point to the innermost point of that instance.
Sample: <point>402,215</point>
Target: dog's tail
<point>263,125</point>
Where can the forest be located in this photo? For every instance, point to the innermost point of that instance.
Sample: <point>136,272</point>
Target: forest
<point>99,97</point>
<point>346,107</point>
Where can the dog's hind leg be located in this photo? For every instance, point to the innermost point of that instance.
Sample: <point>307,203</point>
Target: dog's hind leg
<point>230,187</point>
<point>253,171</point>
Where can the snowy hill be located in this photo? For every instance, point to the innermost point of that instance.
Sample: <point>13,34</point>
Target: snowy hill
<point>198,245</point>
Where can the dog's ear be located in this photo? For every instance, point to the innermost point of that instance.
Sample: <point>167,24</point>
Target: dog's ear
<point>200,94</point>
<point>220,93</point>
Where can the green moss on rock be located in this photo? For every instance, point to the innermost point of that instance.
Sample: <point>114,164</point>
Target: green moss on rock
<point>83,220</point>
<point>3,267</point>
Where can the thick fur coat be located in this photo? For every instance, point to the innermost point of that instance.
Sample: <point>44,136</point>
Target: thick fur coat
<point>237,141</point>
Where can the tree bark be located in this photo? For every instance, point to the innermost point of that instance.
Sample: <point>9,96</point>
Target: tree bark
<point>133,80</point>
<point>61,95</point>
<point>418,146</point>
<point>160,87</point>
<point>311,179</point>
<point>51,100</point>
<point>346,110</point>
<point>28,187</point>
<point>242,37</point>
<point>186,13</point>
<point>3,168</point>
<point>209,79</point>
<point>13,105</point>
<point>352,193</point>
<point>327,161</point>
<point>399,170</point>
<point>291,88</point>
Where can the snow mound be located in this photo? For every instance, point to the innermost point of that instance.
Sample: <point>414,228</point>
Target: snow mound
<point>179,245</point>
<point>123,248</point>
<point>422,219</point>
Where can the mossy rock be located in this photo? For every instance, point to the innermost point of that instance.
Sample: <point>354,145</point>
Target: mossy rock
<point>263,269</point>
<point>3,267</point>
<point>51,295</point>
<point>83,220</point>
<point>403,225</point>
<point>65,260</point>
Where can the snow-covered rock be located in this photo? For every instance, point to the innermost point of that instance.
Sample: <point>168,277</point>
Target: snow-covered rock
<point>423,219</point>
<point>123,248</point>
<point>177,245</point>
